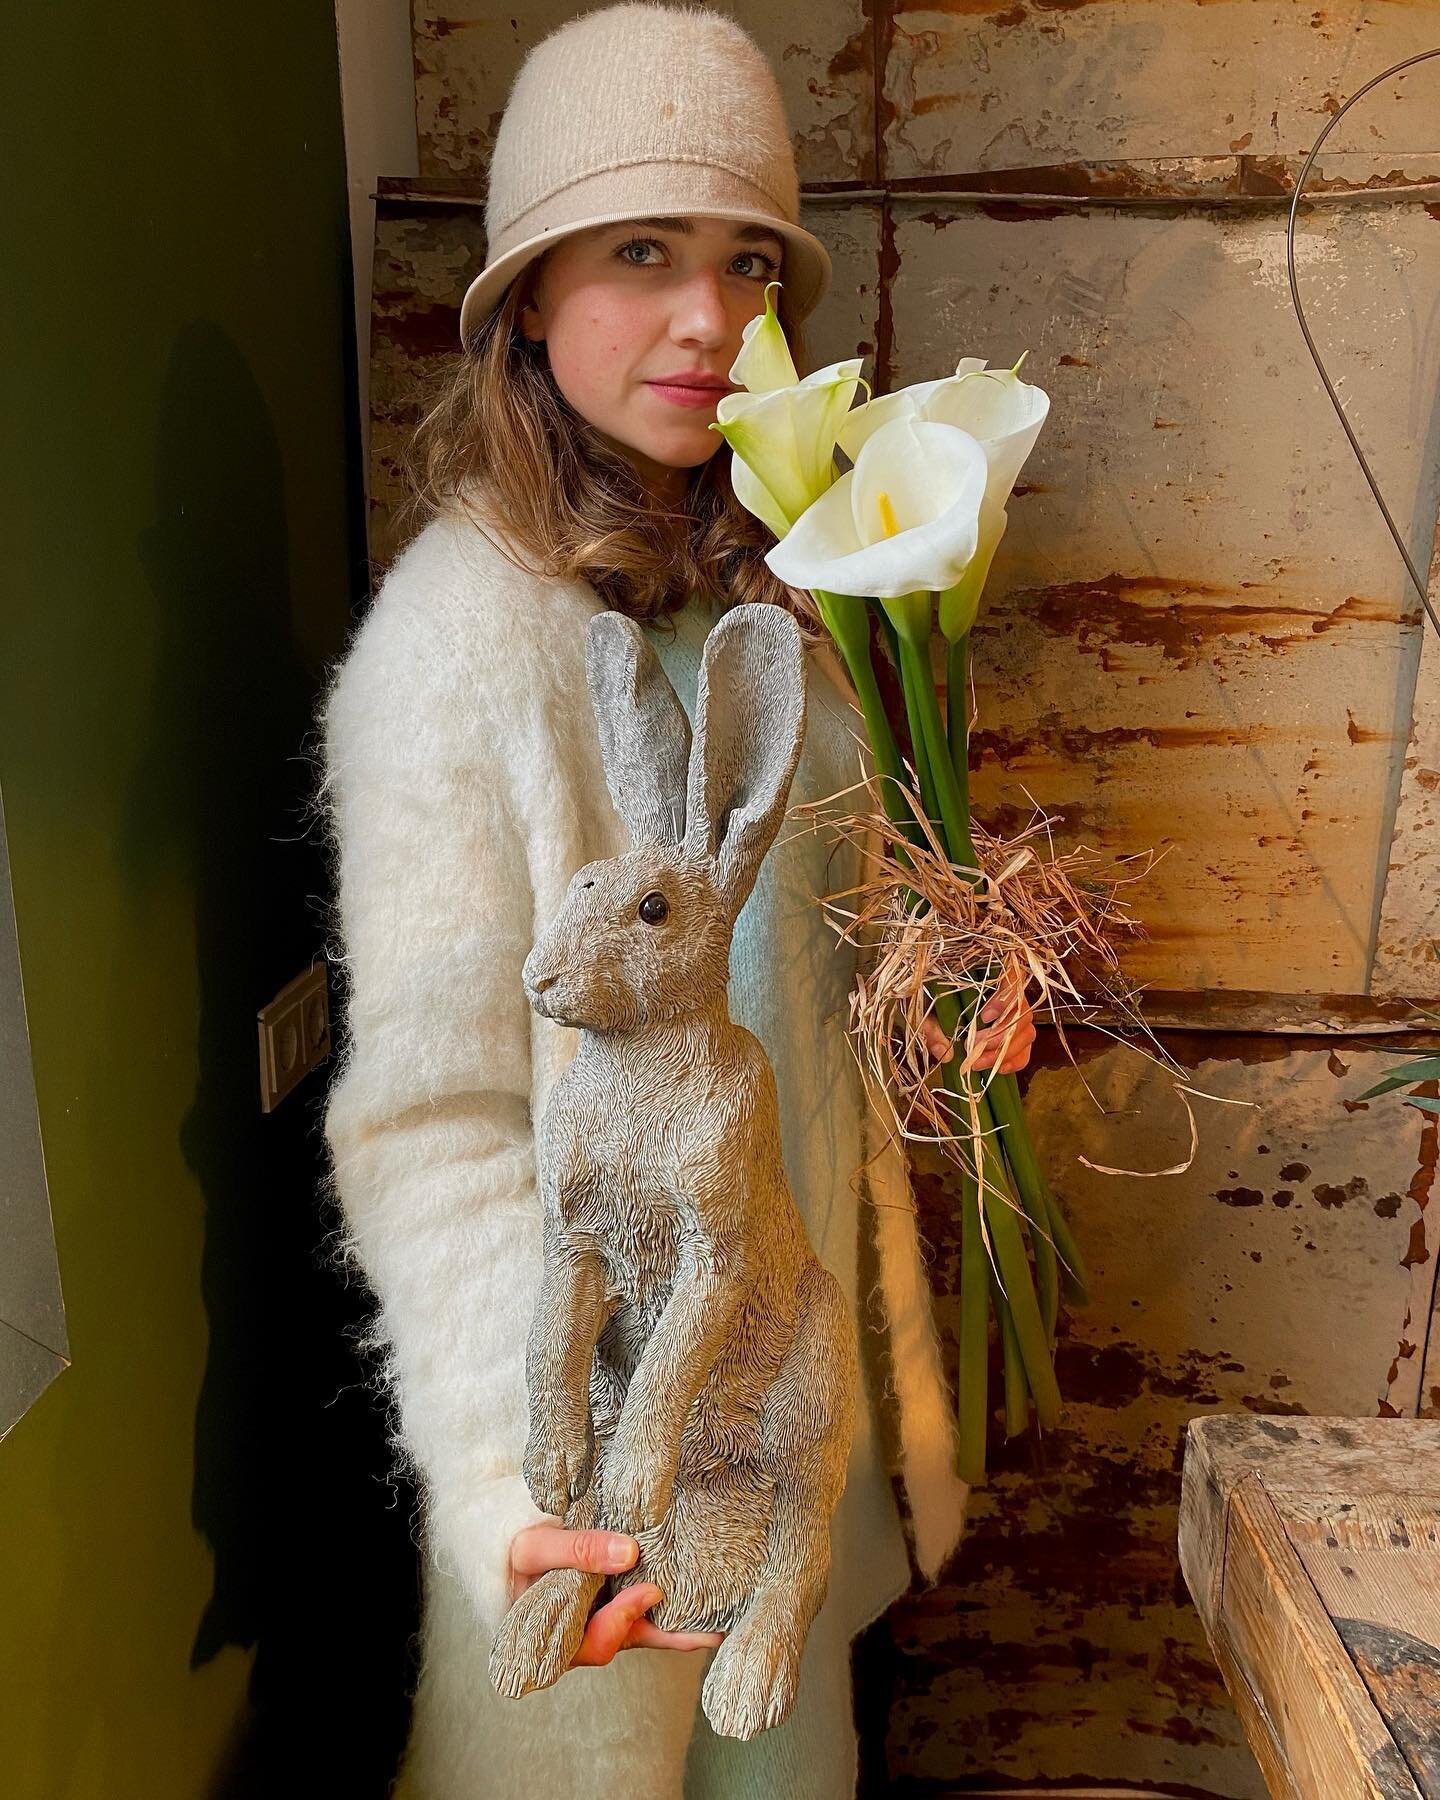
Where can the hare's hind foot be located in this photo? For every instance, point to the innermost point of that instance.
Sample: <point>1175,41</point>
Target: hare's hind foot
<point>752,1683</point>
<point>538,1637</point>
<point>540,1634</point>
<point>808,1422</point>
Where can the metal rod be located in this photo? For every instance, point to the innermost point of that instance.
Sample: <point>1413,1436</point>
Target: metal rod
<point>1384,75</point>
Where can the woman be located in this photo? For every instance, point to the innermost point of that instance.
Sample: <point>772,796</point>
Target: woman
<point>642,193</point>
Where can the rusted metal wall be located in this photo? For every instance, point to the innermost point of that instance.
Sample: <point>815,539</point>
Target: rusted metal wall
<point>1198,640</point>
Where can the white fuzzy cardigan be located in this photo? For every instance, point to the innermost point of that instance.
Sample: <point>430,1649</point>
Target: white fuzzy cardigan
<point>463,787</point>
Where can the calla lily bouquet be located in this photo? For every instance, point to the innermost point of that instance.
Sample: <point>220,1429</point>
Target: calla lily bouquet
<point>906,534</point>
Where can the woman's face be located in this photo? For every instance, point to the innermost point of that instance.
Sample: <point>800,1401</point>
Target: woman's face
<point>621,307</point>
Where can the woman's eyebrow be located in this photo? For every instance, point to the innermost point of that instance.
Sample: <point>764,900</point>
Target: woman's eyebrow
<point>745,234</point>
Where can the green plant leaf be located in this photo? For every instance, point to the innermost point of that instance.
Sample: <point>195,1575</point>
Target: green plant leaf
<point>1427,1069</point>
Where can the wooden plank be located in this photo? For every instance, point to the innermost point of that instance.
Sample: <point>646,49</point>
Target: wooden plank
<point>1312,1550</point>
<point>1298,1456</point>
<point>1375,1563</point>
<point>1321,1713</point>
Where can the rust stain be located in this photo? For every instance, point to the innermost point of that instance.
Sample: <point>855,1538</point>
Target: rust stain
<point>1179,617</point>
<point>1017,212</point>
<point>1423,1181</point>
<point>435,28</point>
<point>1359,734</point>
<point>1331,1195</point>
<point>1022,9</point>
<point>1116,1375</point>
<point>1079,743</point>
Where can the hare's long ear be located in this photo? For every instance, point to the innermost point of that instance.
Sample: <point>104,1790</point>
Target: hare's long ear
<point>749,726</point>
<point>644,734</point>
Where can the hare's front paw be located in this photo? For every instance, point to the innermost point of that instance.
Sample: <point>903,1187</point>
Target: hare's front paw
<point>540,1634</point>
<point>637,1491</point>
<point>558,1465</point>
<point>752,1682</point>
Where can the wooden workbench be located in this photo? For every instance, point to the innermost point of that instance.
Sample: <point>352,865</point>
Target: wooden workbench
<point>1312,1550</point>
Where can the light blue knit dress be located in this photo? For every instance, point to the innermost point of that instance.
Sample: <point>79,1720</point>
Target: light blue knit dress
<point>790,980</point>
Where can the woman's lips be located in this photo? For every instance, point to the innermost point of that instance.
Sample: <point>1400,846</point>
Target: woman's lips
<point>686,396</point>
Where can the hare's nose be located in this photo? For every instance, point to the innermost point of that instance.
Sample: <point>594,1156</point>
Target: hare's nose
<point>544,981</point>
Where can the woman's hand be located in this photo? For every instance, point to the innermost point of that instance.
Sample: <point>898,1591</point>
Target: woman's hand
<point>1007,1010</point>
<point>621,1623</point>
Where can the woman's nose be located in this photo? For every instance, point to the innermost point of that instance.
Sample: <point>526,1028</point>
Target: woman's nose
<point>701,314</point>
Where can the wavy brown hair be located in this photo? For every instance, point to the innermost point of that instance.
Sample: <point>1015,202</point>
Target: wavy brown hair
<point>499,443</point>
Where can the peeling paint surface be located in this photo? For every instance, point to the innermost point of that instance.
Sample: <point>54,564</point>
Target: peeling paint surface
<point>1407,949</point>
<point>1271,1278</point>
<point>1197,635</point>
<point>981,85</point>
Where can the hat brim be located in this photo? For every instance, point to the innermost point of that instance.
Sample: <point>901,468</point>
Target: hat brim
<point>806,271</point>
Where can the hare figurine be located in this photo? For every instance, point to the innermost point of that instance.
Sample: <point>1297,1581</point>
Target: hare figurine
<point>692,1367</point>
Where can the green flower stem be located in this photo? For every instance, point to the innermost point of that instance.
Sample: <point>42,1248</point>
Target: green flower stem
<point>1013,1268</point>
<point>972,1377</point>
<point>1008,1165</point>
<point>1074,1278</point>
<point>920,745</point>
<point>1007,1242</point>
<point>1005,1103</point>
<point>847,619</point>
<point>1035,1191</point>
<point>921,701</point>
<point>1017,1393</point>
<point>892,636</point>
<point>957,711</point>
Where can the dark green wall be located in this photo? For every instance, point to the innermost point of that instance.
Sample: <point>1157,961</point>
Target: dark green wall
<point>205,1483</point>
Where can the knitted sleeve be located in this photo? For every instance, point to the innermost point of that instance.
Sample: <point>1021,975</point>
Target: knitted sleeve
<point>428,1120</point>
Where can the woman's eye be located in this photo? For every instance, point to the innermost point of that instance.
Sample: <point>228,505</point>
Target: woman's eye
<point>637,244</point>
<point>769,268</point>
<point>654,908</point>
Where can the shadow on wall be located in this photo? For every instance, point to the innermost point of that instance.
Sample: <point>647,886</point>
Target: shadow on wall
<point>313,1559</point>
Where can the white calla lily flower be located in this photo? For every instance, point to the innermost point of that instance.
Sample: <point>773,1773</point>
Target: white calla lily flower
<point>1005,414</point>
<point>904,403</point>
<point>784,441</point>
<point>905,519</point>
<point>764,362</point>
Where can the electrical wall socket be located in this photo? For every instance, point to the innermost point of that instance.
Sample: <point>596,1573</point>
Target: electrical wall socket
<point>294,1034</point>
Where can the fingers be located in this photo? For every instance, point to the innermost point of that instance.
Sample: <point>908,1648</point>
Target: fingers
<point>992,1050</point>
<point>645,1636</point>
<point>1006,1046</point>
<point>936,1041</point>
<point>1007,1043</point>
<point>1008,999</point>
<point>611,1625</point>
<point>541,1547</point>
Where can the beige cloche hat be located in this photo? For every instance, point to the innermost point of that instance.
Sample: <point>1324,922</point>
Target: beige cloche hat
<point>641,109</point>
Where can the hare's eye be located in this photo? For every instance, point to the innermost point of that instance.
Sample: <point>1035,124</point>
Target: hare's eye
<point>654,908</point>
